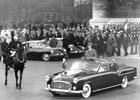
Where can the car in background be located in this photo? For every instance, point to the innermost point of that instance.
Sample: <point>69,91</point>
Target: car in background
<point>37,49</point>
<point>89,75</point>
<point>75,51</point>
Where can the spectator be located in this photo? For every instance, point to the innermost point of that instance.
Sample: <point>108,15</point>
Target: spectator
<point>53,42</point>
<point>125,43</point>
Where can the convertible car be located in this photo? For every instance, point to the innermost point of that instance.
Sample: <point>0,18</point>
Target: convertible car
<point>90,75</point>
<point>38,49</point>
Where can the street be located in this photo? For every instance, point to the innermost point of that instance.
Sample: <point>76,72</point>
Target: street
<point>33,83</point>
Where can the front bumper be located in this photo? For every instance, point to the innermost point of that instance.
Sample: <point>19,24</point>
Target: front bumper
<point>63,91</point>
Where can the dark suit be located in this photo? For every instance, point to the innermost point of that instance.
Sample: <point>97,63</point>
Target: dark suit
<point>5,50</point>
<point>126,41</point>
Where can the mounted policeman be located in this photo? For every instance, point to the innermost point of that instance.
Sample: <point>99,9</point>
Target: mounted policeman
<point>14,56</point>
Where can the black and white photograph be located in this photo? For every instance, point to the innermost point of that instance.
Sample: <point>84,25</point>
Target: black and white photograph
<point>69,49</point>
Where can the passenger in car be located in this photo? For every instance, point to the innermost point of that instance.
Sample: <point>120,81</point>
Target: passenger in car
<point>113,67</point>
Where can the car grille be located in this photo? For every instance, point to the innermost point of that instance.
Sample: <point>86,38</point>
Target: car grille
<point>61,85</point>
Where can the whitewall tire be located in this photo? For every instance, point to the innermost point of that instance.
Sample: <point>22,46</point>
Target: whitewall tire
<point>124,82</point>
<point>86,91</point>
<point>45,57</point>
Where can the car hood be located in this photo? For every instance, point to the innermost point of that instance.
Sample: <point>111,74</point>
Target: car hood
<point>70,75</point>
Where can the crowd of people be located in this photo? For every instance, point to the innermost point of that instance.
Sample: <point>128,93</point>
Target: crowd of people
<point>106,41</point>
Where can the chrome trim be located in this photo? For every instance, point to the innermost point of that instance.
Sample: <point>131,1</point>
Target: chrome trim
<point>63,82</point>
<point>75,52</point>
<point>105,73</point>
<point>127,69</point>
<point>106,88</point>
<point>96,75</point>
<point>127,73</point>
<point>64,91</point>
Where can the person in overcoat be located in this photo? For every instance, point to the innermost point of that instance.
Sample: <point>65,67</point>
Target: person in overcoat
<point>126,42</point>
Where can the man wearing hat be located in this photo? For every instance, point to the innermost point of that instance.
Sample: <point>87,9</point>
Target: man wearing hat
<point>14,45</point>
<point>4,49</point>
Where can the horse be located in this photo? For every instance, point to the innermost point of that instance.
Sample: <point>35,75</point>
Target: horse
<point>17,62</point>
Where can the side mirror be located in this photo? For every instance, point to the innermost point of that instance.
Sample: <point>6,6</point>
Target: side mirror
<point>64,66</point>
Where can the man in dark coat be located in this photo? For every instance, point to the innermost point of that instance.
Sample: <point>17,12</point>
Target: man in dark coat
<point>65,41</point>
<point>97,43</point>
<point>119,42</point>
<point>104,39</point>
<point>5,50</point>
<point>132,41</point>
<point>80,39</point>
<point>53,42</point>
<point>126,41</point>
<point>14,44</point>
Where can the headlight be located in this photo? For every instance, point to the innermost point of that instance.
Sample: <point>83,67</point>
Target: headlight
<point>75,80</point>
<point>52,51</point>
<point>47,78</point>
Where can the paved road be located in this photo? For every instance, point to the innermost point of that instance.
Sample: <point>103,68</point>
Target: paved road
<point>33,83</point>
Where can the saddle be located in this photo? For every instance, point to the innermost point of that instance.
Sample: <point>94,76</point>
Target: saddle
<point>19,57</point>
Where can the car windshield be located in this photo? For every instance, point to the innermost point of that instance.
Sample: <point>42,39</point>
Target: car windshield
<point>85,65</point>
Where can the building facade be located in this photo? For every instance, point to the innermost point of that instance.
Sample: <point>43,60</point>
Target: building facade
<point>36,11</point>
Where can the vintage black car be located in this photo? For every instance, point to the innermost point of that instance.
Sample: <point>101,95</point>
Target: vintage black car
<point>38,49</point>
<point>90,75</point>
<point>75,51</point>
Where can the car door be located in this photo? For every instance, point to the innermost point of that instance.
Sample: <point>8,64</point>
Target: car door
<point>111,77</point>
<point>106,78</point>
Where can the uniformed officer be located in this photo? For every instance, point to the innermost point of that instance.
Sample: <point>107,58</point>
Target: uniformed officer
<point>119,42</point>
<point>136,38</point>
<point>134,41</point>
<point>14,44</point>
<point>126,41</point>
<point>4,49</point>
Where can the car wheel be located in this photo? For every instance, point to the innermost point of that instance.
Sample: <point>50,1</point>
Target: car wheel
<point>46,57</point>
<point>86,91</point>
<point>124,82</point>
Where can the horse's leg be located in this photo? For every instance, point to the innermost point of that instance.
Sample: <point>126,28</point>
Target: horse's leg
<point>16,76</point>
<point>21,72</point>
<point>6,74</point>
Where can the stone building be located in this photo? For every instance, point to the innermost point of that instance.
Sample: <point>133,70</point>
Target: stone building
<point>36,11</point>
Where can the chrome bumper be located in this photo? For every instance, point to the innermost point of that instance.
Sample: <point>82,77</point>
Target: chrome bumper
<point>63,91</point>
